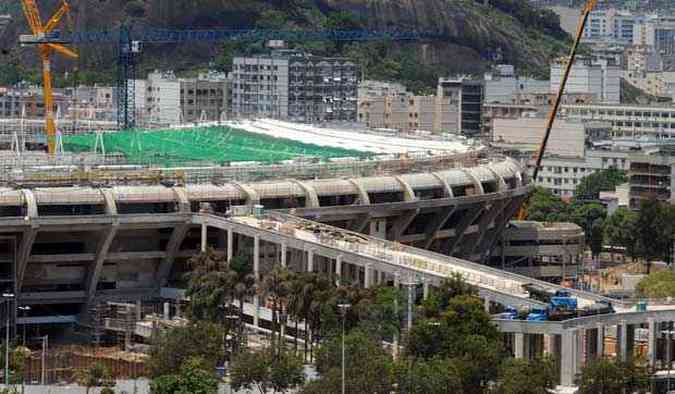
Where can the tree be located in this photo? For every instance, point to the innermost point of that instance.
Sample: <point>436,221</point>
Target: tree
<point>604,180</point>
<point>210,286</point>
<point>194,377</point>
<point>607,376</point>
<point>597,238</point>
<point>96,375</point>
<point>659,284</point>
<point>439,298</point>
<point>620,230</point>
<point>266,370</point>
<point>368,367</point>
<point>655,228</point>
<point>462,332</point>
<point>587,214</point>
<point>383,314</point>
<point>544,206</point>
<point>434,376</point>
<point>540,376</point>
<point>276,286</point>
<point>173,347</point>
<point>272,20</point>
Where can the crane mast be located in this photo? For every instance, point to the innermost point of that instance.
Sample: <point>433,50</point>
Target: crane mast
<point>590,5</point>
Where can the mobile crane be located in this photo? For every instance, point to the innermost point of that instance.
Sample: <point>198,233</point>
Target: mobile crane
<point>48,42</point>
<point>538,156</point>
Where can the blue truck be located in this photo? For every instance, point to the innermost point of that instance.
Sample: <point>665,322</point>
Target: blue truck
<point>561,305</point>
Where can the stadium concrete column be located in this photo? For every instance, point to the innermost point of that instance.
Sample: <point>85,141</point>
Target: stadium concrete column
<point>338,269</point>
<point>621,341</point>
<point>230,244</point>
<point>203,235</point>
<point>600,341</point>
<point>425,288</point>
<point>651,342</point>
<point>367,275</point>
<point>520,345</point>
<point>397,280</point>
<point>569,357</point>
<point>582,355</point>
<point>591,351</point>
<point>284,251</point>
<point>668,343</point>
<point>310,260</point>
<point>256,274</point>
<point>630,341</point>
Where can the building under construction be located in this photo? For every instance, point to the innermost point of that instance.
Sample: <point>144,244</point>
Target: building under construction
<point>82,227</point>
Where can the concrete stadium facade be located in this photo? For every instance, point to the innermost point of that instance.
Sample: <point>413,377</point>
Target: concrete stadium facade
<point>62,248</point>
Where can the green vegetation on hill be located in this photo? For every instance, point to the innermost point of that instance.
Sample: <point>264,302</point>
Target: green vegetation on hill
<point>508,31</point>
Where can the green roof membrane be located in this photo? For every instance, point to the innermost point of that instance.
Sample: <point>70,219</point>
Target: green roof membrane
<point>218,145</point>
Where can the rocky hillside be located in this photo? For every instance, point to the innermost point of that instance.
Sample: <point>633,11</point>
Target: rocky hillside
<point>478,32</point>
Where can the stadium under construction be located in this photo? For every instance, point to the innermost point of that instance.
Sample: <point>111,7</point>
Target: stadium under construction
<point>114,216</point>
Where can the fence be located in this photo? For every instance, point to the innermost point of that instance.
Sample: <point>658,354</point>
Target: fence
<point>61,364</point>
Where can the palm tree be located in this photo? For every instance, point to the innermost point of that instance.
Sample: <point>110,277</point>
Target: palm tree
<point>295,303</point>
<point>275,286</point>
<point>210,284</point>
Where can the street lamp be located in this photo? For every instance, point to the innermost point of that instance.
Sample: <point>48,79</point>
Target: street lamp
<point>343,308</point>
<point>7,297</point>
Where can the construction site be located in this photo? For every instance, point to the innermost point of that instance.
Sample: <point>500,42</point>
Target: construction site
<point>99,219</point>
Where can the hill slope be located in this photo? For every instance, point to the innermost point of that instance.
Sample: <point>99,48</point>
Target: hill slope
<point>508,31</point>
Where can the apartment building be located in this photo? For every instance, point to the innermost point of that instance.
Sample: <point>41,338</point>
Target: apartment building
<point>508,89</point>
<point>598,77</point>
<point>29,102</point>
<point>204,97</point>
<point>641,60</point>
<point>293,85</point>
<point>404,113</point>
<point>658,33</point>
<point>464,98</point>
<point>627,120</point>
<point>561,174</point>
<point>567,136</point>
<point>652,175</point>
<point>166,99</point>
<point>379,88</point>
<point>576,149</point>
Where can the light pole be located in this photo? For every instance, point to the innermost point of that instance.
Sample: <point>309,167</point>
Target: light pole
<point>343,308</point>
<point>7,297</point>
<point>24,309</point>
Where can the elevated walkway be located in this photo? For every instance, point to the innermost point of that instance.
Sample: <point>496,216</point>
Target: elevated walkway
<point>385,256</point>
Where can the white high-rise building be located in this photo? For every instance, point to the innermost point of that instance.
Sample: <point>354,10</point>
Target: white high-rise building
<point>599,78</point>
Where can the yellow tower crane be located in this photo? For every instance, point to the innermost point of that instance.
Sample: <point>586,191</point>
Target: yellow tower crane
<point>44,37</point>
<point>539,155</point>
